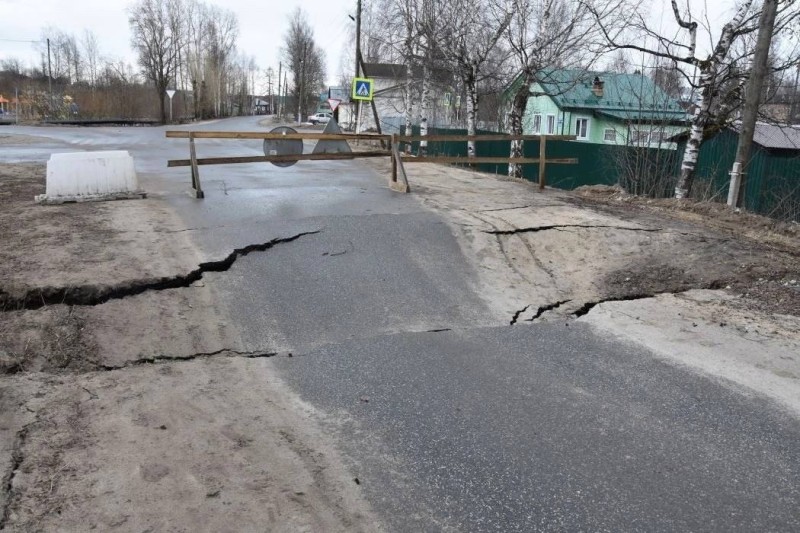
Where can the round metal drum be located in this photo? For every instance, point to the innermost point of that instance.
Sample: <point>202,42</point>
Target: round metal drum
<point>283,147</point>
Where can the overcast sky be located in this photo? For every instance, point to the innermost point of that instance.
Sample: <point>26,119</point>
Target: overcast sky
<point>262,25</point>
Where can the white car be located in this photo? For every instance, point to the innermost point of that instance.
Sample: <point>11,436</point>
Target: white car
<point>320,118</point>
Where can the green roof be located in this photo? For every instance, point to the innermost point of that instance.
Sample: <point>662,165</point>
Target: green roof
<point>625,96</point>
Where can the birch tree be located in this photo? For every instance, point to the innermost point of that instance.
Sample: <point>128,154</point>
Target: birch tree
<point>719,72</point>
<point>472,29</point>
<point>544,35</point>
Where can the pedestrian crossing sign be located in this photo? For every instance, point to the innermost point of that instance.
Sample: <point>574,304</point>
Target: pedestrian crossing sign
<point>363,88</point>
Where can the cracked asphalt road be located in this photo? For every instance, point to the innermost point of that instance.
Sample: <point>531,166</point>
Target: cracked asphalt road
<point>450,418</point>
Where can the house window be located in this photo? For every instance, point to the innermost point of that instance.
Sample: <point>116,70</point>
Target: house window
<point>537,123</point>
<point>551,124</point>
<point>610,135</point>
<point>582,128</point>
<point>657,137</point>
<point>640,137</point>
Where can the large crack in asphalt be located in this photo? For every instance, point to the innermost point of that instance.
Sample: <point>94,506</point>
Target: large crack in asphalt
<point>535,229</point>
<point>539,311</point>
<point>91,295</point>
<point>228,352</point>
<point>588,306</point>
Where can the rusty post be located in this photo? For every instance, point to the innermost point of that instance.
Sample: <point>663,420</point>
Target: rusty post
<point>392,148</point>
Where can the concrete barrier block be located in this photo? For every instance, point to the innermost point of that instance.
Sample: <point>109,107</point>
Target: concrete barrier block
<point>90,176</point>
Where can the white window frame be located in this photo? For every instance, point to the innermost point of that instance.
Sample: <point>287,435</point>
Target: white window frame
<point>537,123</point>
<point>585,136</point>
<point>613,134</point>
<point>551,124</point>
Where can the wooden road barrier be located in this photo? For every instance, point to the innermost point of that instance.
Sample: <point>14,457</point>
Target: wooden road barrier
<point>399,178</point>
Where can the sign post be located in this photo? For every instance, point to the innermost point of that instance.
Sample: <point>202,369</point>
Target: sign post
<point>170,93</point>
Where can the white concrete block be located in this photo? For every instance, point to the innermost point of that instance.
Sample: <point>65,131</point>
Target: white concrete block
<point>86,176</point>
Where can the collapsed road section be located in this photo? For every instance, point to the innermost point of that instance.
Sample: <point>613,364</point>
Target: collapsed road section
<point>91,295</point>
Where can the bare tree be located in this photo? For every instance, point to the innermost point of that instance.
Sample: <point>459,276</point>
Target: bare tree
<point>154,41</point>
<point>91,51</point>
<point>545,35</point>
<point>12,65</point>
<point>304,60</point>
<point>472,31</point>
<point>719,73</point>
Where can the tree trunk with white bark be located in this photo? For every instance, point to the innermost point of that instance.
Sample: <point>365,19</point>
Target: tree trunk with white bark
<point>515,117</point>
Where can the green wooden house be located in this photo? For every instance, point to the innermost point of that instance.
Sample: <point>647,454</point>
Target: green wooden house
<point>602,108</point>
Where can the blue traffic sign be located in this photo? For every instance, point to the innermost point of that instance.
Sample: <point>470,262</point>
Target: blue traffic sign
<point>362,89</point>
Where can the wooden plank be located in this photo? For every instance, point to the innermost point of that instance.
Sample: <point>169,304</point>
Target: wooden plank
<point>497,160</point>
<point>172,134</point>
<point>497,137</point>
<point>542,161</point>
<point>277,158</point>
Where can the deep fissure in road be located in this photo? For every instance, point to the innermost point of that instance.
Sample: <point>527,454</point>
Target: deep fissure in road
<point>535,229</point>
<point>190,357</point>
<point>91,295</point>
<point>588,306</point>
<point>539,311</point>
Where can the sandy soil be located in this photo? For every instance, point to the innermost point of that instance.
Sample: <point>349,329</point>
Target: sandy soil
<point>139,414</point>
<point>171,447</point>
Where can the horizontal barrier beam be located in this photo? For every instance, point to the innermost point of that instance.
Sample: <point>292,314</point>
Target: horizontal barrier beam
<point>498,160</point>
<point>498,137</point>
<point>172,134</point>
<point>275,158</point>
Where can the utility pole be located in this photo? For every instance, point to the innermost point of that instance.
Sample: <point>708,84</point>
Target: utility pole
<point>280,68</point>
<point>270,73</point>
<point>285,92</point>
<point>758,72</point>
<point>358,35</point>
<point>358,60</point>
<point>50,75</point>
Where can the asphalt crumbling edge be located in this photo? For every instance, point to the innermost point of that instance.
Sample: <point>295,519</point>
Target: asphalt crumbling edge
<point>17,457</point>
<point>92,295</point>
<point>587,307</point>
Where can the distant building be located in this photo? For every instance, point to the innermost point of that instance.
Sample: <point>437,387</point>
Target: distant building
<point>602,108</point>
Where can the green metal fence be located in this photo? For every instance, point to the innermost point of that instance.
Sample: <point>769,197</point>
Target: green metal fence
<point>772,183</point>
<point>772,187</point>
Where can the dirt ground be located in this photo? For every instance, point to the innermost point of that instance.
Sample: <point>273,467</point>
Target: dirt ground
<point>120,415</point>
